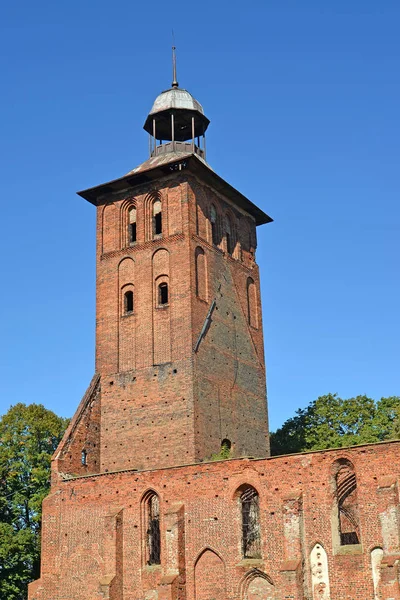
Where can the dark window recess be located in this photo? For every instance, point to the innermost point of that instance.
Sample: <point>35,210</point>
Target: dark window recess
<point>132,225</point>
<point>84,457</point>
<point>346,489</point>
<point>251,539</point>
<point>132,233</point>
<point>214,233</point>
<point>157,224</point>
<point>157,218</point>
<point>226,445</point>
<point>214,228</point>
<point>153,531</point>
<point>163,293</point>
<point>128,300</point>
<point>229,243</point>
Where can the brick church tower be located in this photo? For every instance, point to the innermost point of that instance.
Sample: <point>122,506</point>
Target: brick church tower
<point>179,350</point>
<point>139,509</point>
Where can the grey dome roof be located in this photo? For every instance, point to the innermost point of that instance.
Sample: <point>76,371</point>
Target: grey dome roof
<point>176,98</point>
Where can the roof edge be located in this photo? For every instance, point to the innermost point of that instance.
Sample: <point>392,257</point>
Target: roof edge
<point>153,172</point>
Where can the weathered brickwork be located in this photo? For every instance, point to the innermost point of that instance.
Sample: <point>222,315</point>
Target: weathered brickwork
<point>162,403</point>
<point>137,509</point>
<point>94,539</point>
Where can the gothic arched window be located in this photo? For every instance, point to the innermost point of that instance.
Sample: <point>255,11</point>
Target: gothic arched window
<point>250,517</point>
<point>128,302</point>
<point>132,225</point>
<point>152,523</point>
<point>347,504</point>
<point>228,235</point>
<point>163,294</point>
<point>157,218</point>
<point>214,225</point>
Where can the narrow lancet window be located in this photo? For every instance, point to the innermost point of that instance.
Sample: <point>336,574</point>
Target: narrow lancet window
<point>163,294</point>
<point>250,513</point>
<point>214,228</point>
<point>157,218</point>
<point>347,505</point>
<point>252,308</point>
<point>201,274</point>
<point>128,302</point>
<point>228,236</point>
<point>153,530</point>
<point>132,225</point>
<point>84,457</point>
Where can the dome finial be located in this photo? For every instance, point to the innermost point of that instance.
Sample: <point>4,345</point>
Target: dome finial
<point>175,83</point>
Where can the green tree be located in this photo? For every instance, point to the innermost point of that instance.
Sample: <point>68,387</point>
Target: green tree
<point>333,422</point>
<point>29,436</point>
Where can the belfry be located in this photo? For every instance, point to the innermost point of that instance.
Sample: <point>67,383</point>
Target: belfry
<point>162,487</point>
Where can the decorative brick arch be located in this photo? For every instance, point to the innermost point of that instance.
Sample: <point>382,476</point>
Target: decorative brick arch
<point>109,229</point>
<point>150,199</point>
<point>126,315</point>
<point>125,209</point>
<point>201,282</point>
<point>210,576</point>
<point>257,585</point>
<point>162,351</point>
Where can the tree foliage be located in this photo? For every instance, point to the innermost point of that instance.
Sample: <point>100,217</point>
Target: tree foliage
<point>29,436</point>
<point>333,422</point>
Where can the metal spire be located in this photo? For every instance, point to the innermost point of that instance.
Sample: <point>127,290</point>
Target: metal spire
<point>175,83</point>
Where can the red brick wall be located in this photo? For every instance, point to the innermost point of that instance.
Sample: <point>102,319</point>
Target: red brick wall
<point>161,403</point>
<point>83,433</point>
<point>230,397</point>
<point>92,531</point>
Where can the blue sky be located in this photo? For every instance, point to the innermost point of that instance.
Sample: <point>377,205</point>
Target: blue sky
<point>304,102</point>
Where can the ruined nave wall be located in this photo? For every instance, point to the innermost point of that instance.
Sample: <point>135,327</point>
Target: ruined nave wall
<point>95,531</point>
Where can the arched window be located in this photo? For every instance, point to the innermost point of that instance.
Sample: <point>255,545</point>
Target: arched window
<point>163,294</point>
<point>252,311</point>
<point>214,226</point>
<point>347,504</point>
<point>132,225</point>
<point>250,516</point>
<point>152,517</point>
<point>128,302</point>
<point>157,218</point>
<point>84,457</point>
<point>201,274</point>
<point>228,235</point>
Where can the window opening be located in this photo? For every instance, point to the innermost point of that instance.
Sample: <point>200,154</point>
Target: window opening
<point>84,457</point>
<point>153,531</point>
<point>228,234</point>
<point>346,489</point>
<point>163,294</point>
<point>157,218</point>
<point>226,445</point>
<point>128,301</point>
<point>132,225</point>
<point>252,315</point>
<point>201,273</point>
<point>251,539</point>
<point>213,219</point>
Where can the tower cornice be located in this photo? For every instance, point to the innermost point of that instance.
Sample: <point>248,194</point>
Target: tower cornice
<point>159,166</point>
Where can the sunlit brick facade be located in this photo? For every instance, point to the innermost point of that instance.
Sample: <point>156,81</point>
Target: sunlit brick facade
<point>140,509</point>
